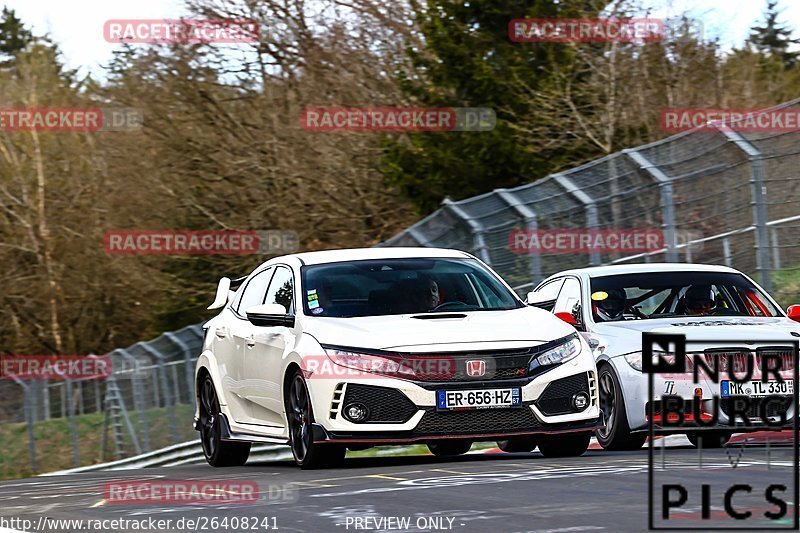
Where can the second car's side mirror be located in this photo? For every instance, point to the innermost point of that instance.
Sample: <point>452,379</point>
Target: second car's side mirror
<point>536,299</point>
<point>794,312</point>
<point>269,315</point>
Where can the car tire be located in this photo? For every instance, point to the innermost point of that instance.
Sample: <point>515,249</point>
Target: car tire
<point>449,448</point>
<point>217,451</point>
<point>617,433</point>
<point>518,445</point>
<point>709,439</point>
<point>569,445</point>
<point>307,454</point>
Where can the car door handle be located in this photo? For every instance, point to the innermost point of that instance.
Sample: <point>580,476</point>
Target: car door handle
<point>221,332</point>
<point>250,341</point>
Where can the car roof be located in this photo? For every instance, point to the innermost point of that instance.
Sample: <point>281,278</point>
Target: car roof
<point>635,268</point>
<point>358,254</point>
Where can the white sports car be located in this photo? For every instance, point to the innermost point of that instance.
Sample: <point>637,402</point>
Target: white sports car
<point>332,350</point>
<point>718,307</point>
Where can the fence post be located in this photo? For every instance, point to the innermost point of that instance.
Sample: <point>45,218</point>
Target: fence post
<point>187,361</point>
<point>726,251</point>
<point>590,206</point>
<point>479,242</point>
<point>776,249</point>
<point>667,200</point>
<point>138,398</point>
<point>73,430</point>
<point>162,376</point>
<point>758,190</point>
<point>531,224</point>
<point>29,421</point>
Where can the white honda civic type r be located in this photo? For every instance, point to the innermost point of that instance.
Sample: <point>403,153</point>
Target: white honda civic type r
<point>725,317</point>
<point>347,349</point>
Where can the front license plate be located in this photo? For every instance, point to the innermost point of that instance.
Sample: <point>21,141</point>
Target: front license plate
<point>478,399</point>
<point>757,389</point>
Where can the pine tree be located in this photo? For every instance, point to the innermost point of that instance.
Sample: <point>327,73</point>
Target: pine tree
<point>774,39</point>
<point>14,36</point>
<point>468,60</point>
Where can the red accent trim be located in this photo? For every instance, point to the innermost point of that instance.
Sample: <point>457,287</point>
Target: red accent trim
<point>476,436</point>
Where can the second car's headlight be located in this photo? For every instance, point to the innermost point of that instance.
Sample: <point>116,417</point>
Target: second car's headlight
<point>561,353</point>
<point>635,359</point>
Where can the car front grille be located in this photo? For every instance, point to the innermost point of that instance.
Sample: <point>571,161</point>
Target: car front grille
<point>385,405</point>
<point>477,421</point>
<point>557,396</point>
<point>776,406</point>
<point>449,368</point>
<point>739,358</point>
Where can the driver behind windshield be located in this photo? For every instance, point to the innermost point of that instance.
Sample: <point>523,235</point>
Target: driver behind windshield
<point>417,295</point>
<point>700,300</point>
<point>609,304</point>
<point>428,295</point>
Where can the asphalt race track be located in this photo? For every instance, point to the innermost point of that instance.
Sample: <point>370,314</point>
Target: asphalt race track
<point>497,492</point>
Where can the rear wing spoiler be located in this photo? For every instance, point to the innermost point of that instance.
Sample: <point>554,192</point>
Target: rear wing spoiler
<point>225,291</point>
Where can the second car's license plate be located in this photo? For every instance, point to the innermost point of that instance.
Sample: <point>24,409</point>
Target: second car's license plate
<point>478,399</point>
<point>757,389</point>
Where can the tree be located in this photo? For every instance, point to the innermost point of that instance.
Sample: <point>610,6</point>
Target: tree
<point>14,36</point>
<point>468,60</point>
<point>774,39</point>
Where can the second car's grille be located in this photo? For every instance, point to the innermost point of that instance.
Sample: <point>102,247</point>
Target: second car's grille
<point>774,407</point>
<point>739,358</point>
<point>557,397</point>
<point>384,404</point>
<point>476,421</point>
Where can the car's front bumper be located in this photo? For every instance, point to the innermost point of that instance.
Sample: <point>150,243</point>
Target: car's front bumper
<point>407,410</point>
<point>636,392</point>
<point>368,437</point>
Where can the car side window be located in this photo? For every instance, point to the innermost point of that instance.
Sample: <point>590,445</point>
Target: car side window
<point>570,295</point>
<point>254,291</point>
<point>281,289</point>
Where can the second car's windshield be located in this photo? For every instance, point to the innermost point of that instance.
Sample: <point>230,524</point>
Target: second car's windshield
<point>670,294</point>
<point>402,286</point>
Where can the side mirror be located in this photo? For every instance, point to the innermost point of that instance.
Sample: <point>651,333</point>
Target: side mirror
<point>269,315</point>
<point>537,299</point>
<point>794,312</point>
<point>568,318</point>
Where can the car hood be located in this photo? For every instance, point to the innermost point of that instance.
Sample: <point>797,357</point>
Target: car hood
<point>626,336</point>
<point>488,330</point>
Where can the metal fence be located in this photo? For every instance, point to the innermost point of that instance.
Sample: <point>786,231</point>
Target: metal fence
<point>720,197</point>
<point>145,403</point>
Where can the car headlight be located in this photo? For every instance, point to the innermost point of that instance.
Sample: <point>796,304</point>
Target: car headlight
<point>561,353</point>
<point>369,363</point>
<point>635,359</point>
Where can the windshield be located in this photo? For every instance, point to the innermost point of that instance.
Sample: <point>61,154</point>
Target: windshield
<point>402,286</point>
<point>672,294</point>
